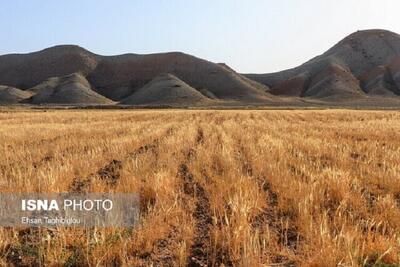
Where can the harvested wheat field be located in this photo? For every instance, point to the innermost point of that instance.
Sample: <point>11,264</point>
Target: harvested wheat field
<point>218,188</point>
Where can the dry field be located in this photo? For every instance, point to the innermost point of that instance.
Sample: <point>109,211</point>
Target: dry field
<point>218,188</point>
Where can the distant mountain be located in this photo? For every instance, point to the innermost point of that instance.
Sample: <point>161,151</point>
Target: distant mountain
<point>117,77</point>
<point>361,70</point>
<point>365,63</point>
<point>28,70</point>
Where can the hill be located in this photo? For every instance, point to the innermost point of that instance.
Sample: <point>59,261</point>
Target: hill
<point>117,77</point>
<point>363,63</point>
<point>27,70</point>
<point>166,89</point>
<point>362,69</point>
<point>11,95</point>
<point>69,89</point>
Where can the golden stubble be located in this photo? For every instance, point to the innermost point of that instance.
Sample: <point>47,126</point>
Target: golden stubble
<point>238,188</point>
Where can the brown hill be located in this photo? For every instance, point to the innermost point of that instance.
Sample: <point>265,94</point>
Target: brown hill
<point>27,70</point>
<point>166,89</point>
<point>117,77</point>
<point>379,81</point>
<point>333,81</point>
<point>365,62</point>
<point>70,89</point>
<point>11,95</point>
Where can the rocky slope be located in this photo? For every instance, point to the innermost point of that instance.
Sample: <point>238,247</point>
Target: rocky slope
<point>69,89</point>
<point>363,63</point>
<point>362,68</point>
<point>11,95</point>
<point>166,89</point>
<point>117,77</point>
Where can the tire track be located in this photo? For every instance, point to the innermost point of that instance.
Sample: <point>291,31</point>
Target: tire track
<point>288,236</point>
<point>199,250</point>
<point>36,164</point>
<point>243,158</point>
<point>111,172</point>
<point>163,253</point>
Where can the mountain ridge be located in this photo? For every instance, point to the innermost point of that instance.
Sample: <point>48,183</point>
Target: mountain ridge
<point>117,77</point>
<point>357,54</point>
<point>361,68</point>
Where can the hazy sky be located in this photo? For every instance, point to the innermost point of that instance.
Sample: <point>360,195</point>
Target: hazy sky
<point>250,36</point>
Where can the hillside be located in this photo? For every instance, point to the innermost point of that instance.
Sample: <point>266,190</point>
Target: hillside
<point>364,63</point>
<point>166,89</point>
<point>27,70</point>
<point>70,89</point>
<point>117,77</point>
<point>362,69</point>
<point>11,95</point>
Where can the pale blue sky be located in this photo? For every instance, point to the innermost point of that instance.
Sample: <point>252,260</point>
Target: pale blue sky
<point>250,36</point>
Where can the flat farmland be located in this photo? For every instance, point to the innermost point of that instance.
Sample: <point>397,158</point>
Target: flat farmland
<point>217,188</point>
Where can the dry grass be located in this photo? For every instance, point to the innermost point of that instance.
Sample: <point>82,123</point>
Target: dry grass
<point>238,188</point>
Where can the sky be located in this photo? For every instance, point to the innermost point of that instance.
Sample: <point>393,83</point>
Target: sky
<point>251,36</point>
